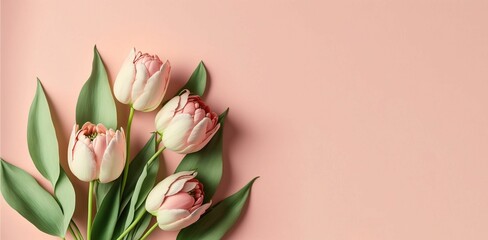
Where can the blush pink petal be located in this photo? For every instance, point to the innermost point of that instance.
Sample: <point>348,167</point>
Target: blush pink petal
<point>113,161</point>
<point>99,146</point>
<point>181,200</point>
<point>154,90</point>
<point>154,199</point>
<point>183,99</point>
<point>198,147</point>
<point>199,132</point>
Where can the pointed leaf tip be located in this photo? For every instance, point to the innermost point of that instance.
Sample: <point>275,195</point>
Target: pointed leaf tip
<point>41,137</point>
<point>220,218</point>
<point>198,80</point>
<point>95,102</point>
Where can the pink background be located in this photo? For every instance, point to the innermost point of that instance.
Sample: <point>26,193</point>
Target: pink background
<point>364,119</point>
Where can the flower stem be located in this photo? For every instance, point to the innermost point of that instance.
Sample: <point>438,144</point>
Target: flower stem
<point>156,155</point>
<point>77,230</point>
<point>149,231</point>
<point>139,217</point>
<point>90,206</point>
<point>127,156</point>
<point>70,228</point>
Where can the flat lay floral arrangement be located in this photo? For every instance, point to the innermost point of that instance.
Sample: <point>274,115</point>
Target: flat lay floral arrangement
<point>124,194</point>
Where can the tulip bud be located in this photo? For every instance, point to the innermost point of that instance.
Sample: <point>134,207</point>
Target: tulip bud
<point>96,153</point>
<point>177,201</point>
<point>187,124</point>
<point>142,81</point>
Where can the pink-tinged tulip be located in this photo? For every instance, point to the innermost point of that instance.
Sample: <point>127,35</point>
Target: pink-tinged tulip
<point>187,124</point>
<point>177,201</point>
<point>142,81</point>
<point>96,153</point>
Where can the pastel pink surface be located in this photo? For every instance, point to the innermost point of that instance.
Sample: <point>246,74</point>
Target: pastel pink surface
<point>364,119</point>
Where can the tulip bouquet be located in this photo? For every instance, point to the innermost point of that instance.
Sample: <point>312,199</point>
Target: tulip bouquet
<point>126,192</point>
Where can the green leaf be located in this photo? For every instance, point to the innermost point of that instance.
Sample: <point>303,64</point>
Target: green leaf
<point>207,162</point>
<point>65,194</point>
<point>143,187</point>
<point>101,191</point>
<point>141,227</point>
<point>26,196</point>
<point>219,219</point>
<point>41,137</point>
<point>138,163</point>
<point>106,217</point>
<point>198,80</point>
<point>95,102</point>
<point>136,168</point>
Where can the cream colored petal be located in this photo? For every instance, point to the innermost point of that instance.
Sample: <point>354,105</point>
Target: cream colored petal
<point>164,116</point>
<point>125,79</point>
<point>169,216</point>
<point>140,82</point>
<point>71,144</point>
<point>84,165</point>
<point>154,90</point>
<point>197,147</point>
<point>187,221</point>
<point>113,161</point>
<point>156,196</point>
<point>177,132</point>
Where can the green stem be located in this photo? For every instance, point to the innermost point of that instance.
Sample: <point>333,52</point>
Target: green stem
<point>70,228</point>
<point>127,156</point>
<point>90,206</point>
<point>158,140</point>
<point>156,155</point>
<point>139,217</point>
<point>78,232</point>
<point>149,231</point>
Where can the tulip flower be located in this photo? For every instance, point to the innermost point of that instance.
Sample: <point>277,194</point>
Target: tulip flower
<point>187,123</point>
<point>142,81</point>
<point>177,201</point>
<point>96,153</point>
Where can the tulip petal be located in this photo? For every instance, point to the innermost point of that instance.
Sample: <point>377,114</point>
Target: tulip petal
<point>113,160</point>
<point>164,116</point>
<point>199,132</point>
<point>178,185</point>
<point>84,165</point>
<point>183,99</point>
<point>199,115</point>
<point>197,147</point>
<point>169,216</point>
<point>71,144</point>
<point>125,79</point>
<point>99,146</point>
<point>189,186</point>
<point>181,200</point>
<point>156,196</point>
<point>184,222</point>
<point>154,90</point>
<point>176,134</point>
<point>142,75</point>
